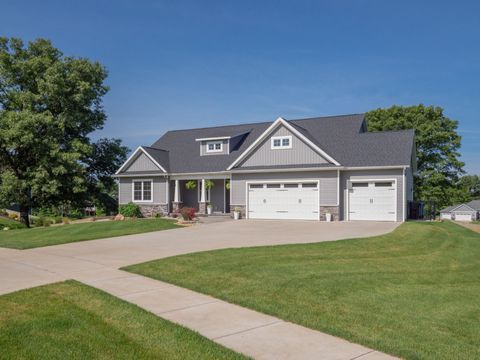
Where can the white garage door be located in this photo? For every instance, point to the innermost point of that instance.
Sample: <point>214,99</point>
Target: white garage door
<point>463,217</point>
<point>445,216</point>
<point>372,200</point>
<point>283,201</point>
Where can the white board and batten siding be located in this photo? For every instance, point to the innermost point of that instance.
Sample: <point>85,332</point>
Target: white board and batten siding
<point>159,189</point>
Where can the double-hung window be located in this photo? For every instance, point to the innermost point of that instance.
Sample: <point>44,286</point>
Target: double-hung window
<point>281,142</point>
<point>214,146</point>
<point>142,190</point>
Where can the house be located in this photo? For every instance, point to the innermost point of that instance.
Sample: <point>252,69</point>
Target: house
<point>463,212</point>
<point>283,169</point>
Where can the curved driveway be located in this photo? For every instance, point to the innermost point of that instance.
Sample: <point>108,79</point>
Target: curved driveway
<point>96,263</point>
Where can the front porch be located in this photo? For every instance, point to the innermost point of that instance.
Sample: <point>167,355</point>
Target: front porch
<point>199,193</point>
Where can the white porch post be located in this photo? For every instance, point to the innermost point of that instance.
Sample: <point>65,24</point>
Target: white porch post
<point>203,195</point>
<point>176,196</point>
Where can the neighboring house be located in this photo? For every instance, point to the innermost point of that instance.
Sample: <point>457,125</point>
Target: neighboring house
<point>285,169</point>
<point>463,212</point>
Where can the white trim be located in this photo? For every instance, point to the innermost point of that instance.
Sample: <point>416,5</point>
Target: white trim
<point>214,138</point>
<point>133,191</point>
<point>276,181</point>
<point>372,180</point>
<point>140,175</point>
<point>472,209</point>
<point>134,153</point>
<point>207,150</point>
<point>281,138</point>
<point>281,121</point>
<point>167,194</point>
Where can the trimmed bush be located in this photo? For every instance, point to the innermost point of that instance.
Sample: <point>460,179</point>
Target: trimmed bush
<point>66,220</point>
<point>40,221</point>
<point>188,213</point>
<point>58,220</point>
<point>47,223</point>
<point>130,210</point>
<point>13,216</point>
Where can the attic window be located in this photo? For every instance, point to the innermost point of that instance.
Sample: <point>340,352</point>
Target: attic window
<point>214,146</point>
<point>281,142</point>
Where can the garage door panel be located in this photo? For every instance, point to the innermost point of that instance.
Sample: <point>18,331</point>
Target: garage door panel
<point>373,200</point>
<point>283,202</point>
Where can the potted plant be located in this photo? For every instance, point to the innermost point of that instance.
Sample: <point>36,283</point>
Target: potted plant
<point>209,184</point>
<point>328,217</point>
<point>236,213</point>
<point>227,185</point>
<point>209,209</point>
<point>191,185</point>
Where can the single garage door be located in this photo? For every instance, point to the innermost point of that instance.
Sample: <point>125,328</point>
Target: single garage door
<point>297,200</point>
<point>372,200</point>
<point>463,216</point>
<point>446,216</point>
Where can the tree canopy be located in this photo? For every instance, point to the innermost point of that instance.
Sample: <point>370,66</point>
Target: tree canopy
<point>49,106</point>
<point>438,144</point>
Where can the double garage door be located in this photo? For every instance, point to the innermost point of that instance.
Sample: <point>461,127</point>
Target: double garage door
<point>367,200</point>
<point>283,201</point>
<point>372,200</point>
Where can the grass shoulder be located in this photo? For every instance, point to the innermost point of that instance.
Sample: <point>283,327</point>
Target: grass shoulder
<point>411,293</point>
<point>54,235</point>
<point>70,320</point>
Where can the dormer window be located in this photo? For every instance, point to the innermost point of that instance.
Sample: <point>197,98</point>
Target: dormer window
<point>281,142</point>
<point>214,146</point>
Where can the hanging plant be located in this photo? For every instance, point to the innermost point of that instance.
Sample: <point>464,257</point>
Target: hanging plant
<point>227,185</point>
<point>191,185</point>
<point>209,184</point>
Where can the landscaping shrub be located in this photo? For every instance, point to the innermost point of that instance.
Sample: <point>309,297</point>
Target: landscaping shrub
<point>3,212</point>
<point>158,215</point>
<point>13,216</point>
<point>66,220</point>
<point>188,213</point>
<point>58,220</point>
<point>47,223</point>
<point>130,210</point>
<point>39,221</point>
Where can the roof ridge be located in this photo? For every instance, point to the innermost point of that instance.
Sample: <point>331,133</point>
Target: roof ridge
<point>265,122</point>
<point>388,131</point>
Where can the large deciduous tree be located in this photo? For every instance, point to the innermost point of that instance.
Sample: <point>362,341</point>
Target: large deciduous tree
<point>49,106</point>
<point>437,143</point>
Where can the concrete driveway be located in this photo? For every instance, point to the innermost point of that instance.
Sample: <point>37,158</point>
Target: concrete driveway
<point>96,263</point>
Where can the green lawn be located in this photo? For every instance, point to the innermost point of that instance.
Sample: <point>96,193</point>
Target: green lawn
<point>73,321</point>
<point>37,237</point>
<point>413,293</point>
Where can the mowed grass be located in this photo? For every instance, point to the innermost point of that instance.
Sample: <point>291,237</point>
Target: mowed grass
<point>414,293</point>
<point>54,235</point>
<point>73,321</point>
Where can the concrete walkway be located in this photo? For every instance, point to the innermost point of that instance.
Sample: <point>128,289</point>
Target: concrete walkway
<point>261,336</point>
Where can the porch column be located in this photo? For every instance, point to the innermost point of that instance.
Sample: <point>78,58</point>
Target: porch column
<point>177,203</point>
<point>202,206</point>
<point>176,196</point>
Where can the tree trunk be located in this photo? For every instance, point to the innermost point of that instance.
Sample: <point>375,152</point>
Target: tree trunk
<point>24,210</point>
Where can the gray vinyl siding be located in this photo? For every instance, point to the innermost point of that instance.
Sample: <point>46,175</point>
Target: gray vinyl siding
<point>328,184</point>
<point>300,153</point>
<point>141,163</point>
<point>372,174</point>
<point>217,194</point>
<point>159,190</point>
<point>203,148</point>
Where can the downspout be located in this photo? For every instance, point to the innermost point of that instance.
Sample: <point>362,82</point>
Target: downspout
<point>404,193</point>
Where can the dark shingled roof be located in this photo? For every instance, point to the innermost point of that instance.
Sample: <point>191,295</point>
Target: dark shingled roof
<point>341,137</point>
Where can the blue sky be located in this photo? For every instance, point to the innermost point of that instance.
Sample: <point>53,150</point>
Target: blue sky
<point>181,64</point>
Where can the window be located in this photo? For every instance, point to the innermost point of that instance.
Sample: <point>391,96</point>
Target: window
<point>309,185</point>
<point>291,186</point>
<point>273,186</point>
<point>360,184</point>
<point>214,146</point>
<point>383,184</point>
<point>142,190</point>
<point>256,186</point>
<point>281,142</point>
